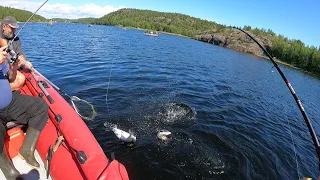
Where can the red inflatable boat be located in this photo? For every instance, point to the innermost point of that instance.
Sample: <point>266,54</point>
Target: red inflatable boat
<point>74,154</point>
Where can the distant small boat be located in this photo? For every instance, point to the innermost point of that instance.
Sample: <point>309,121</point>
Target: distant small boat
<point>50,23</point>
<point>151,33</point>
<point>124,28</point>
<point>89,25</point>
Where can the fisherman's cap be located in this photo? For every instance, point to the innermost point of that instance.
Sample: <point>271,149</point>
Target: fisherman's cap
<point>11,21</point>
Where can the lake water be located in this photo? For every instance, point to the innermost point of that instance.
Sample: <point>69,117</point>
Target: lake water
<point>246,126</point>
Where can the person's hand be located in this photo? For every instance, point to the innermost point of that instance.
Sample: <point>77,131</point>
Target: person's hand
<point>28,65</point>
<point>15,66</point>
<point>3,54</point>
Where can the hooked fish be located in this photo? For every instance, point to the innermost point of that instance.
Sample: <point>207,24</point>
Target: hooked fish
<point>124,136</point>
<point>163,134</point>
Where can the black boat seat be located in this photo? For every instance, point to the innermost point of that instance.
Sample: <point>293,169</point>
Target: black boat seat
<point>11,125</point>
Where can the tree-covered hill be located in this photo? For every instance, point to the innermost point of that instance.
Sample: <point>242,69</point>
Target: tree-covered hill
<point>20,15</point>
<point>159,21</point>
<point>287,50</point>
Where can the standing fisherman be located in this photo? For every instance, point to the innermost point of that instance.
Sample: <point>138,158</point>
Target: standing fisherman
<point>20,109</point>
<point>8,28</point>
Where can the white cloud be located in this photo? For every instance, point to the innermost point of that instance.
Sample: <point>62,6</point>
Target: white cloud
<point>61,10</point>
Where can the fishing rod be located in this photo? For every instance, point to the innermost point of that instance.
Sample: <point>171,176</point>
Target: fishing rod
<point>304,114</point>
<point>10,42</point>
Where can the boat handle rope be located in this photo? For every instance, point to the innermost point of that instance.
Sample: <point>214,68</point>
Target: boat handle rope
<point>293,93</point>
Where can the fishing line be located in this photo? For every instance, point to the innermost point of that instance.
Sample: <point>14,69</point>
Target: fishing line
<point>110,73</point>
<point>292,141</point>
<point>294,149</point>
<point>271,69</point>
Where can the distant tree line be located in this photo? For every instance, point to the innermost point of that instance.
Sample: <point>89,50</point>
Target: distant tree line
<point>158,21</point>
<point>84,20</point>
<point>60,20</point>
<point>293,52</point>
<point>20,15</point>
<point>296,53</point>
<point>80,20</point>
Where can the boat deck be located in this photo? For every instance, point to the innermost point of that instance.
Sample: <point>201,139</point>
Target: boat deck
<point>27,172</point>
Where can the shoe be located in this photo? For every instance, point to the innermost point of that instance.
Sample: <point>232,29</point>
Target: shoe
<point>9,171</point>
<point>29,145</point>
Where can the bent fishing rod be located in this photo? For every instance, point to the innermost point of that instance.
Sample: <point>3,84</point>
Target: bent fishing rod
<point>10,42</point>
<point>293,93</point>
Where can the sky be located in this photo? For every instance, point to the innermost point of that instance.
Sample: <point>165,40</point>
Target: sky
<point>295,19</point>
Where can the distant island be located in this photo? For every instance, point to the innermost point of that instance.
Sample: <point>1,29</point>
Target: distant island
<point>290,51</point>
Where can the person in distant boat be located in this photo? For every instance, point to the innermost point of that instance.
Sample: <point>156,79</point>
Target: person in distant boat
<point>8,28</point>
<point>20,109</point>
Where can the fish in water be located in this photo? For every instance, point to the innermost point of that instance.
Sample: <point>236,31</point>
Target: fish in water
<point>124,136</point>
<point>163,134</point>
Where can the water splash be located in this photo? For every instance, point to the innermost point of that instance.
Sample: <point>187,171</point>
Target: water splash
<point>109,125</point>
<point>175,112</point>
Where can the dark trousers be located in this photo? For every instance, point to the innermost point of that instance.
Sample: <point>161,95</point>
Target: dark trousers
<point>23,109</point>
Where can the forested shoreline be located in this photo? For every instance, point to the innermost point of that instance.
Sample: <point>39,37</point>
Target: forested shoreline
<point>291,51</point>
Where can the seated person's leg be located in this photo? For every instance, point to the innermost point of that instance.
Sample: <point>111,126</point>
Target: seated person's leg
<point>6,166</point>
<point>18,82</point>
<point>34,112</point>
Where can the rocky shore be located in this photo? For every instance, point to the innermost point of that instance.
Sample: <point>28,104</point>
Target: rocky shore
<point>236,40</point>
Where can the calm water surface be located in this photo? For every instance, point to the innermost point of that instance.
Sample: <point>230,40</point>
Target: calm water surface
<point>247,125</point>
